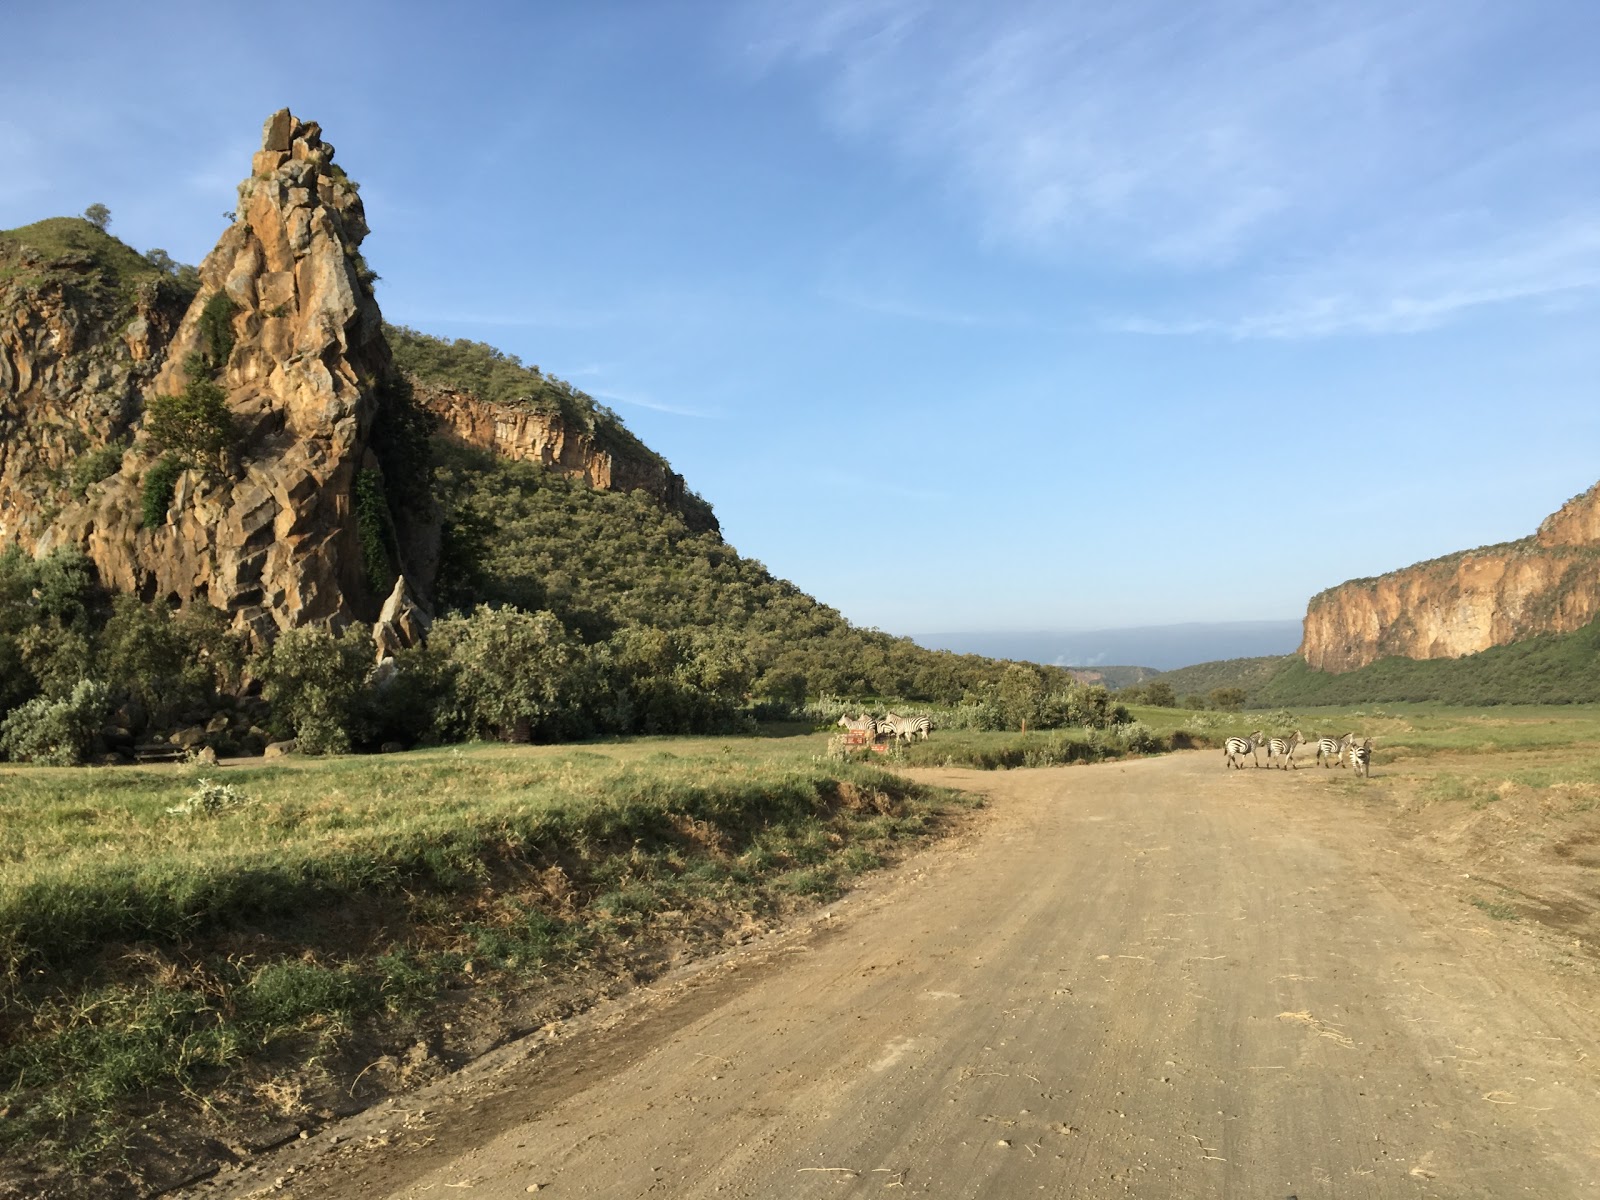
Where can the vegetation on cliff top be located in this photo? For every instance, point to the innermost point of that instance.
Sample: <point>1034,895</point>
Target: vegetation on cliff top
<point>81,257</point>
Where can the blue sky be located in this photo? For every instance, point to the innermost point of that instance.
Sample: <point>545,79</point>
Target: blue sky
<point>1004,317</point>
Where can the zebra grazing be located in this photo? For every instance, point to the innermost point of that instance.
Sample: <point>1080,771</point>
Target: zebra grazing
<point>899,727</point>
<point>1361,759</point>
<point>862,724</point>
<point>1235,748</point>
<point>1284,747</point>
<point>1333,748</point>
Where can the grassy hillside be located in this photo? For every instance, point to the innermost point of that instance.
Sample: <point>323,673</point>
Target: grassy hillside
<point>1548,669</point>
<point>84,259</point>
<point>1251,674</point>
<point>608,561</point>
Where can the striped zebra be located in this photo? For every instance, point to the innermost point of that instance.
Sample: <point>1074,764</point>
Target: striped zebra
<point>1235,748</point>
<point>1333,748</point>
<point>1361,759</point>
<point>899,727</point>
<point>1284,747</point>
<point>862,724</point>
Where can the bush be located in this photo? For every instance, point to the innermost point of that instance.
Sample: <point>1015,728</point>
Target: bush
<point>376,531</point>
<point>94,466</point>
<point>216,330</point>
<point>194,427</point>
<point>168,663</point>
<point>316,683</point>
<point>57,733</point>
<point>160,482</point>
<point>516,675</point>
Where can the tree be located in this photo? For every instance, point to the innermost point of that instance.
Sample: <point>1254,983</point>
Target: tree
<point>162,261</point>
<point>194,427</point>
<point>1160,695</point>
<point>1228,699</point>
<point>98,215</point>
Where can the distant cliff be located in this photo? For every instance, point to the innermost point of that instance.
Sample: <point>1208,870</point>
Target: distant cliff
<point>1466,602</point>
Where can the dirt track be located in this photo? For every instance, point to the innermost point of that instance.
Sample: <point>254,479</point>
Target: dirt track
<point>1150,979</point>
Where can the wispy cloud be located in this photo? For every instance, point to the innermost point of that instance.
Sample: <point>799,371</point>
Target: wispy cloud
<point>641,400</point>
<point>1234,140</point>
<point>1406,291</point>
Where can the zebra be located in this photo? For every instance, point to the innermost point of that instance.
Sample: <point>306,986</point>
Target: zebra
<point>1361,759</point>
<point>1334,748</point>
<point>862,724</point>
<point>899,727</point>
<point>1235,748</point>
<point>1284,748</point>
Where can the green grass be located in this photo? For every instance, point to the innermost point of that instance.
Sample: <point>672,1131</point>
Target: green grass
<point>114,272</point>
<point>1496,909</point>
<point>153,955</point>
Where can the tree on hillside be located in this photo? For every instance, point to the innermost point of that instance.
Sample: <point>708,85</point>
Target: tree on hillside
<point>98,215</point>
<point>1228,699</point>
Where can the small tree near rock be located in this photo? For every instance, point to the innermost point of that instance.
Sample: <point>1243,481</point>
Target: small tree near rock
<point>98,215</point>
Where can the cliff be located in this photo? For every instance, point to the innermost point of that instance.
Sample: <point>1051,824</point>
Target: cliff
<point>549,439</point>
<point>84,327</point>
<point>1467,602</point>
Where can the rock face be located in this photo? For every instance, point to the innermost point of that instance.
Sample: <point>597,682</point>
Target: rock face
<point>1468,602</point>
<point>274,542</point>
<point>74,362</point>
<point>527,436</point>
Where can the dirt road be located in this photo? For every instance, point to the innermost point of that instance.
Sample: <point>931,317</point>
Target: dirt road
<point>1150,979</point>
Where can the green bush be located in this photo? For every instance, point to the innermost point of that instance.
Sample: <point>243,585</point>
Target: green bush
<point>56,732</point>
<point>376,532</point>
<point>517,675</point>
<point>316,682</point>
<point>194,428</point>
<point>216,330</point>
<point>160,483</point>
<point>97,464</point>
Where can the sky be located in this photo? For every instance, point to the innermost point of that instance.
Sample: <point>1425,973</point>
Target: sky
<point>1002,317</point>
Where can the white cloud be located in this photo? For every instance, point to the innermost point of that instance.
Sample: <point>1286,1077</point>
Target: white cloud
<point>1229,142</point>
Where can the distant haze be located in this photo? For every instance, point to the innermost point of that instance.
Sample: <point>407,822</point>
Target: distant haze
<point>1164,647</point>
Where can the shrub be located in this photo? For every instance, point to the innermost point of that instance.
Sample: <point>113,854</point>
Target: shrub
<point>210,798</point>
<point>94,466</point>
<point>160,483</point>
<point>216,330</point>
<point>376,532</point>
<point>516,675</point>
<point>56,732</point>
<point>194,427</point>
<point>316,683</point>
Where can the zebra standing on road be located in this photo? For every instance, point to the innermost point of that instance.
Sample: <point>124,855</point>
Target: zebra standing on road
<point>899,727</point>
<point>1361,759</point>
<point>1284,747</point>
<point>1235,748</point>
<point>1334,748</point>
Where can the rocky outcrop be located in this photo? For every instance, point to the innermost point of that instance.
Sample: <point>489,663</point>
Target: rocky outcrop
<point>524,435</point>
<point>1467,602</point>
<point>74,362</point>
<point>273,541</point>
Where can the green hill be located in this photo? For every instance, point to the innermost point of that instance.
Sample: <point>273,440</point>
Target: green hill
<point>1546,669</point>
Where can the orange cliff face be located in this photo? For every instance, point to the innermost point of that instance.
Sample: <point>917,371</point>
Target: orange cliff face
<point>1468,602</point>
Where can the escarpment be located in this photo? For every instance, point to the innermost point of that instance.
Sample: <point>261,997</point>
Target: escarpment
<point>526,435</point>
<point>1465,603</point>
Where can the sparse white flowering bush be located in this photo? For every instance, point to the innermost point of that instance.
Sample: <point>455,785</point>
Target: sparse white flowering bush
<point>210,798</point>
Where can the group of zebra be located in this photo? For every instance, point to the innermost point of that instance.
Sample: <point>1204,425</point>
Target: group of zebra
<point>891,726</point>
<point>1330,751</point>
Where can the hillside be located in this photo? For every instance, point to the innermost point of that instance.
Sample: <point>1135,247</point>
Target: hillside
<point>1544,669</point>
<point>1466,602</point>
